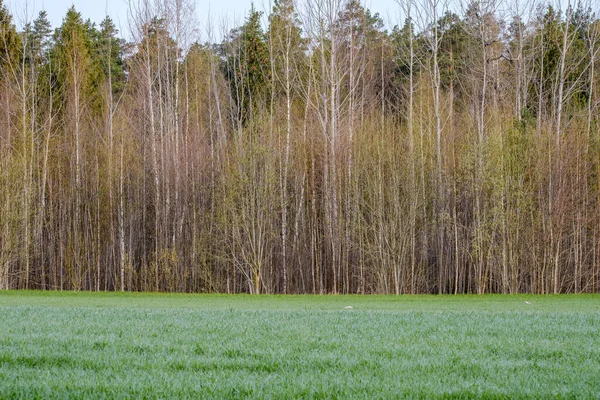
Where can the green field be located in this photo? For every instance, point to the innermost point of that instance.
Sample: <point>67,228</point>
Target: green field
<point>77,345</point>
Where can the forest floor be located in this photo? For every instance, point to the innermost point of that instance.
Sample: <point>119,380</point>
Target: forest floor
<point>113,345</point>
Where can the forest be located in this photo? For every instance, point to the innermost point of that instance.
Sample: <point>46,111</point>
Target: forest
<point>314,148</point>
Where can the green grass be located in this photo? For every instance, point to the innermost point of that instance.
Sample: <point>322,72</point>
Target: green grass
<point>77,345</point>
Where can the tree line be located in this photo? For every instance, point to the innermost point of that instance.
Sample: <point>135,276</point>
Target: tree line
<point>310,150</point>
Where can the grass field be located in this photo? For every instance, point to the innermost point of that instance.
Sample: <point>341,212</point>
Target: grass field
<point>77,345</point>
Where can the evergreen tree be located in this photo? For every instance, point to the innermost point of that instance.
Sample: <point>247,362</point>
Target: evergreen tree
<point>286,40</point>
<point>41,39</point>
<point>9,40</point>
<point>110,49</point>
<point>247,66</point>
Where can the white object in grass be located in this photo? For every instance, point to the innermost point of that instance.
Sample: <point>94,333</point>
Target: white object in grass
<point>526,302</point>
<point>348,307</point>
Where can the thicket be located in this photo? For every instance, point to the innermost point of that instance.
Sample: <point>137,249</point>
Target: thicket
<point>310,150</point>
